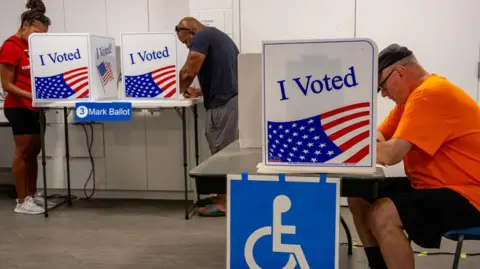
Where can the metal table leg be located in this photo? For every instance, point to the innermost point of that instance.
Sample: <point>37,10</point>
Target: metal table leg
<point>67,155</point>
<point>43,125</point>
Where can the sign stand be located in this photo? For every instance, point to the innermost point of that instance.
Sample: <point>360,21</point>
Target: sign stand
<point>293,221</point>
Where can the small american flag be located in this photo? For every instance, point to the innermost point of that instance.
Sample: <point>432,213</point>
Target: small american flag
<point>72,84</point>
<point>337,136</point>
<point>106,73</point>
<point>158,83</point>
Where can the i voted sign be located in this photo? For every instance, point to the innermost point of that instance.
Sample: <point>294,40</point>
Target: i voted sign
<point>103,111</point>
<point>283,222</point>
<point>70,67</point>
<point>319,105</point>
<point>149,65</point>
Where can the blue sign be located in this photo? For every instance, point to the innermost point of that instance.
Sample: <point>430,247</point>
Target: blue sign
<point>282,222</point>
<point>103,111</point>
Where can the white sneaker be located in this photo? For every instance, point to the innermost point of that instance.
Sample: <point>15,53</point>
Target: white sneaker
<point>28,207</point>
<point>40,201</point>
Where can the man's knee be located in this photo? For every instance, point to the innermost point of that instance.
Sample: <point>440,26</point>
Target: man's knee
<point>358,204</point>
<point>383,217</point>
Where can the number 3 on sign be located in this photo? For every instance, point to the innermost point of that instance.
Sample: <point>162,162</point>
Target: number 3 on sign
<point>82,112</point>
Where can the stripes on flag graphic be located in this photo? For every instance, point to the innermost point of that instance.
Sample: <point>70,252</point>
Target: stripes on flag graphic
<point>106,72</point>
<point>72,84</point>
<point>160,83</point>
<point>337,136</point>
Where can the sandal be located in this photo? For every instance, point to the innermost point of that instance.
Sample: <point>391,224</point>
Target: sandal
<point>212,211</point>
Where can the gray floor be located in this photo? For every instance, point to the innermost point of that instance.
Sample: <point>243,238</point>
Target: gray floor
<point>141,235</point>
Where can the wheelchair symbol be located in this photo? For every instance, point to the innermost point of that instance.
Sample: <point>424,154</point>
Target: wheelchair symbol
<point>281,204</point>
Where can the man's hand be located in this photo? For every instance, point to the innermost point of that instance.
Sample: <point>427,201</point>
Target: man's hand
<point>393,151</point>
<point>380,137</point>
<point>192,92</point>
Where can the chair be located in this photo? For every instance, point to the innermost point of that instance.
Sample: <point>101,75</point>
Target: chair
<point>459,236</point>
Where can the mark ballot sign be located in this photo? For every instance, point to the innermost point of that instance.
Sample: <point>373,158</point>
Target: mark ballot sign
<point>72,67</point>
<point>103,111</point>
<point>149,65</point>
<point>319,105</point>
<point>293,222</point>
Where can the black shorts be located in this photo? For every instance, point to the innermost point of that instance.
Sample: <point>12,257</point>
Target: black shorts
<point>428,214</point>
<point>23,120</point>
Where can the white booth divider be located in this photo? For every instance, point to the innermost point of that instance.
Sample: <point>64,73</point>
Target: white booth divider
<point>72,67</point>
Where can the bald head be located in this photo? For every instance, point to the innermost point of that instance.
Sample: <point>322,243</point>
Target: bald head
<point>191,24</point>
<point>187,28</point>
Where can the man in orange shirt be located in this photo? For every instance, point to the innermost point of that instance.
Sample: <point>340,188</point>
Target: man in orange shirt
<point>435,129</point>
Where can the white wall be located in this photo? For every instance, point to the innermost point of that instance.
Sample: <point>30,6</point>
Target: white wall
<point>280,19</point>
<point>222,14</point>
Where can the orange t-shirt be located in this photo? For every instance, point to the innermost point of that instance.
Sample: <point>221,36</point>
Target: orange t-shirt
<point>443,124</point>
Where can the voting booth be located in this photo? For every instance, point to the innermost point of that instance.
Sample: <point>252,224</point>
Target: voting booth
<point>319,105</point>
<point>319,119</point>
<point>72,68</point>
<point>149,66</point>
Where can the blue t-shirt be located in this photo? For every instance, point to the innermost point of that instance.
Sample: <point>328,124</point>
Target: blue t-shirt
<point>218,75</point>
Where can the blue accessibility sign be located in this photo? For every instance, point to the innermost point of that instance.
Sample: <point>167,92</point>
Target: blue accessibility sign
<point>103,111</point>
<point>282,221</point>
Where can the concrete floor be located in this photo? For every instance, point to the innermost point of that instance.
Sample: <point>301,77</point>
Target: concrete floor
<point>110,234</point>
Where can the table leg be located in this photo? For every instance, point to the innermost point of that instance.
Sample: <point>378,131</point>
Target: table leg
<point>67,155</point>
<point>43,125</point>
<point>195,124</point>
<point>185,160</point>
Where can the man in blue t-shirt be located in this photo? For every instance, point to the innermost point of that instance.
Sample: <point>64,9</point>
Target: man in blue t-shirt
<point>213,59</point>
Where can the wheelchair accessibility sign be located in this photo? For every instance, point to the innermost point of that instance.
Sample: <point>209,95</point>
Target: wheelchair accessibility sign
<point>282,221</point>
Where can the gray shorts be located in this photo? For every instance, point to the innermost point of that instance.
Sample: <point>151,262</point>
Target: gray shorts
<point>222,125</point>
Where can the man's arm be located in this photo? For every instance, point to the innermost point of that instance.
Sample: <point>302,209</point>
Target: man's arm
<point>392,151</point>
<point>190,69</point>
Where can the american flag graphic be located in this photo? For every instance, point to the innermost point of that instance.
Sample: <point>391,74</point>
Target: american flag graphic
<point>106,73</point>
<point>160,83</point>
<point>337,136</point>
<point>72,84</point>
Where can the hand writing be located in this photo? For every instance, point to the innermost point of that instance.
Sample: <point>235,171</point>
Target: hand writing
<point>192,93</point>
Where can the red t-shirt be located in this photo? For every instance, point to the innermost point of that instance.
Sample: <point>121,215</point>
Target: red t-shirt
<point>14,53</point>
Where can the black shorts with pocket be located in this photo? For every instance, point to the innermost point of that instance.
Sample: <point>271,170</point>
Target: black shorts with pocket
<point>23,121</point>
<point>428,214</point>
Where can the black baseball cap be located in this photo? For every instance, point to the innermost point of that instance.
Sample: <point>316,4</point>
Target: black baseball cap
<point>391,55</point>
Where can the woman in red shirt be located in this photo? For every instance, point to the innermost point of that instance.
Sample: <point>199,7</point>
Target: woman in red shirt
<point>24,119</point>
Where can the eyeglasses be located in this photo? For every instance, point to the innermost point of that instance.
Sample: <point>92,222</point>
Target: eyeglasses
<point>178,29</point>
<point>380,86</point>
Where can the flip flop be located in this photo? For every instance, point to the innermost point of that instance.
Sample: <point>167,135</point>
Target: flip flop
<point>212,211</point>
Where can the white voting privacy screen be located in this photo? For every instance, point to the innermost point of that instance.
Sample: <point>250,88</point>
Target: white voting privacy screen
<point>149,66</point>
<point>72,67</point>
<point>319,105</point>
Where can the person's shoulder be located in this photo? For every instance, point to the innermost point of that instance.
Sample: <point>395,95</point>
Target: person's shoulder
<point>9,42</point>
<point>201,36</point>
<point>435,87</point>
